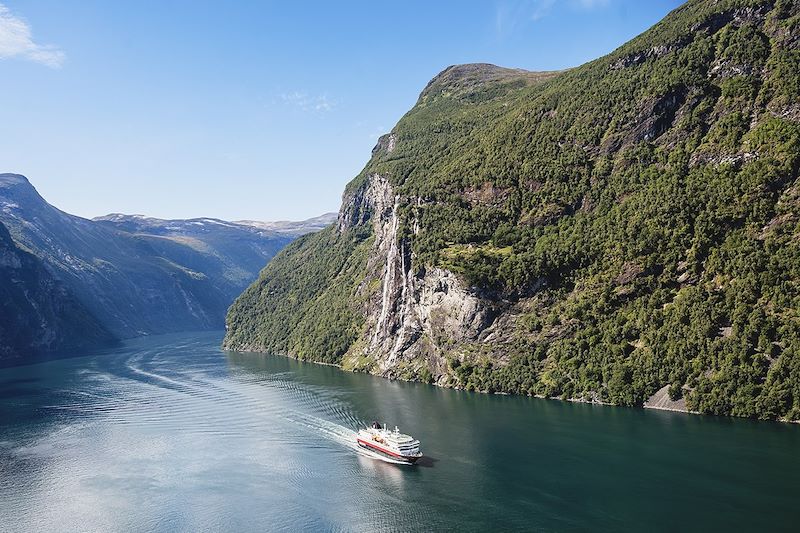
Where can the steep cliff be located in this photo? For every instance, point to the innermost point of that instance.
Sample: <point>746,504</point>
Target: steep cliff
<point>600,233</point>
<point>37,314</point>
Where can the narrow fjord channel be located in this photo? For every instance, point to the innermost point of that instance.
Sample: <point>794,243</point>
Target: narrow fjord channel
<point>170,433</point>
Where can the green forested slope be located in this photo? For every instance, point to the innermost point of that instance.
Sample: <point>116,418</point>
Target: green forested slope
<point>640,214</point>
<point>305,305</point>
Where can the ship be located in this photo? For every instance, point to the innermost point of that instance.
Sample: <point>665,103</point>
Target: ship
<point>391,444</point>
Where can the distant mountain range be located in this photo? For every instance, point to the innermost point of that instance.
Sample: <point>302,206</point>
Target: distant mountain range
<point>626,231</point>
<point>120,276</point>
<point>207,226</point>
<point>294,229</point>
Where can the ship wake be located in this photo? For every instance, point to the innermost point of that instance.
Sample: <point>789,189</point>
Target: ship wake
<point>257,399</point>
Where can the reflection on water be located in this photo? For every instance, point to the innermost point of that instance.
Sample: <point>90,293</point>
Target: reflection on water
<point>170,433</point>
<point>382,472</point>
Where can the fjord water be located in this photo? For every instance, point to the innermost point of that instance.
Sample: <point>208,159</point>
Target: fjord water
<point>170,433</point>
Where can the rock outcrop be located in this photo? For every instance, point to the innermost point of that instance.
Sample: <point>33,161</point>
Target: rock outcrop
<point>412,311</point>
<point>403,313</point>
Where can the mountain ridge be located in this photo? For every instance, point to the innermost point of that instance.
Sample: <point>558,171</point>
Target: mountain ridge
<point>138,222</point>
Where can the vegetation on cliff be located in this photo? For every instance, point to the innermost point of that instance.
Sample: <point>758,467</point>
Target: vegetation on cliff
<point>640,215</point>
<point>304,306</point>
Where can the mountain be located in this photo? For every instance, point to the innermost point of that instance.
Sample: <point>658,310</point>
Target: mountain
<point>37,314</point>
<point>627,231</point>
<point>214,226</point>
<point>136,275</point>
<point>292,228</point>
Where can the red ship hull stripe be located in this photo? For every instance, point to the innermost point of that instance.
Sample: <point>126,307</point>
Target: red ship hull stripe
<point>384,450</point>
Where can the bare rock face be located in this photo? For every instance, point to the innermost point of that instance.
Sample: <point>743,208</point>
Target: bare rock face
<point>386,143</point>
<point>655,52</point>
<point>658,115</point>
<point>370,203</point>
<point>661,400</point>
<point>414,316</point>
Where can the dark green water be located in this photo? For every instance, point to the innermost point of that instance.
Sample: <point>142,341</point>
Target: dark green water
<point>171,434</point>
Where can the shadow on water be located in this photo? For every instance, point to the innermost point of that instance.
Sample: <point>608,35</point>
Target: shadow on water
<point>14,388</point>
<point>111,347</point>
<point>66,353</point>
<point>426,461</point>
<point>16,392</point>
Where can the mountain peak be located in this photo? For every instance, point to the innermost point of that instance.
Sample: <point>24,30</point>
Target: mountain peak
<point>8,178</point>
<point>469,77</point>
<point>16,190</point>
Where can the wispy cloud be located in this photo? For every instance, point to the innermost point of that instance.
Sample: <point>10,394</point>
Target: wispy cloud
<point>540,9</point>
<point>307,102</point>
<point>511,14</point>
<point>591,4</point>
<point>16,40</point>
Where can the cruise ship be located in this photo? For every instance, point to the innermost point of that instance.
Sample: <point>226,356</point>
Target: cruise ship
<point>391,444</point>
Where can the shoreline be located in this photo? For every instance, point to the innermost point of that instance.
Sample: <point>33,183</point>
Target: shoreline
<point>674,410</point>
<point>501,393</point>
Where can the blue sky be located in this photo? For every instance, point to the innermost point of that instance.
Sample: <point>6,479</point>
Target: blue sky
<point>250,110</point>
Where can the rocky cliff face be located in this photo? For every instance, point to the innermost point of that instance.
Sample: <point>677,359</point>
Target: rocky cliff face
<point>414,318</point>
